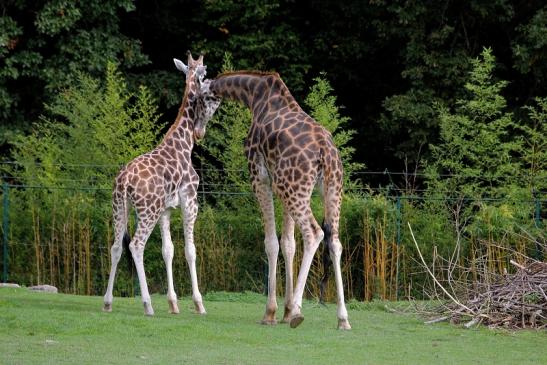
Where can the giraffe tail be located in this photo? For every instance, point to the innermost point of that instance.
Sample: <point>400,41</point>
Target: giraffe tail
<point>126,241</point>
<point>326,260</point>
<point>121,207</point>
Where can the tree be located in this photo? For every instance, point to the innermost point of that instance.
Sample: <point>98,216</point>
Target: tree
<point>91,130</point>
<point>43,46</point>
<point>437,39</point>
<point>534,146</point>
<point>476,152</point>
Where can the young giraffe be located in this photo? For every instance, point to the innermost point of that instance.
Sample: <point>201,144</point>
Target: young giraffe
<point>288,153</point>
<point>153,184</point>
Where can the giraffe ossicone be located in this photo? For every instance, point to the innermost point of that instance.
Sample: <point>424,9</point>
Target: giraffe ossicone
<point>288,153</point>
<point>155,183</point>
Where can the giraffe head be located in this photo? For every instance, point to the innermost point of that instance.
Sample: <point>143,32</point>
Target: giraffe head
<point>195,72</point>
<point>206,105</point>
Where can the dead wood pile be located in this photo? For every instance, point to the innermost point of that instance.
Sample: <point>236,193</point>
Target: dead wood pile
<point>514,301</point>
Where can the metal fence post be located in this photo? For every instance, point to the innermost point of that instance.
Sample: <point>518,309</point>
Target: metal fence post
<point>399,218</point>
<point>5,227</point>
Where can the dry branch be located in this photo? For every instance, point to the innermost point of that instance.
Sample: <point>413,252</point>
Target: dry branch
<point>516,300</point>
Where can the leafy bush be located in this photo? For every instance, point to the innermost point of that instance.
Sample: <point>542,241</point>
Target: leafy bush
<point>67,166</point>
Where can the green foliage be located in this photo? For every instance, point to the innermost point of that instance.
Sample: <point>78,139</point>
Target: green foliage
<point>89,125</point>
<point>476,148</point>
<point>45,45</point>
<point>480,157</point>
<point>534,147</point>
<point>530,46</point>
<point>436,40</point>
<point>67,165</point>
<point>258,35</point>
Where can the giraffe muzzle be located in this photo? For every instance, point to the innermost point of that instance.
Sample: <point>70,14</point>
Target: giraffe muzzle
<point>199,133</point>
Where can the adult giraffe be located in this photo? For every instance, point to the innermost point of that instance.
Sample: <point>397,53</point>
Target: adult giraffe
<point>288,153</point>
<point>153,184</point>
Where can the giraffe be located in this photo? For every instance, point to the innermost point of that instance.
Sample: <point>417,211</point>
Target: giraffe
<point>288,154</point>
<point>155,183</point>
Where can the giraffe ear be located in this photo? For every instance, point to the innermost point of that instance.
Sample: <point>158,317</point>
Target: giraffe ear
<point>180,66</point>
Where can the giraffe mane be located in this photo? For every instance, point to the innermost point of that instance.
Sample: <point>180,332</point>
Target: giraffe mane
<point>180,113</point>
<point>248,72</point>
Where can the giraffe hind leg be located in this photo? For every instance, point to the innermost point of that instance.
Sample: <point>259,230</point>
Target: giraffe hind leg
<point>168,253</point>
<point>144,229</point>
<point>120,238</point>
<point>115,255</point>
<point>190,210</point>
<point>288,247</point>
<point>312,235</point>
<point>332,201</point>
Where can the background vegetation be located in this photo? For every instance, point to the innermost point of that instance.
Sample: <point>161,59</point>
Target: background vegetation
<point>452,95</point>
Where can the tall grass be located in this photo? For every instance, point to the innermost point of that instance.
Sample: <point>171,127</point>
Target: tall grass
<point>67,244</point>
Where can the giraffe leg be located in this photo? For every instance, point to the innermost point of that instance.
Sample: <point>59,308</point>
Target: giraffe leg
<point>115,254</point>
<point>168,251</point>
<point>332,199</point>
<point>120,226</point>
<point>313,235</point>
<point>288,247</point>
<point>190,210</point>
<point>263,193</point>
<point>144,229</point>
<point>342,313</point>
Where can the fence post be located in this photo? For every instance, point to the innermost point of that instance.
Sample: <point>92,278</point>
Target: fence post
<point>5,227</point>
<point>399,218</point>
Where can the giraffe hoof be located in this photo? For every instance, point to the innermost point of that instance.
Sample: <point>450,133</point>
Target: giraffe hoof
<point>173,307</point>
<point>343,324</point>
<point>296,320</point>
<point>107,307</point>
<point>269,322</point>
<point>148,310</point>
<point>286,315</point>
<point>200,309</point>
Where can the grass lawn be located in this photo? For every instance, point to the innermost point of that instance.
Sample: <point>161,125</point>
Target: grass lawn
<point>39,328</point>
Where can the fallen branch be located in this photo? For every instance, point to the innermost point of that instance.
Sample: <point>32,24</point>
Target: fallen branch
<point>433,276</point>
<point>511,300</point>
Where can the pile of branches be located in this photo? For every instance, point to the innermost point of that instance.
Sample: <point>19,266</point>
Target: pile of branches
<point>514,301</point>
<point>517,300</point>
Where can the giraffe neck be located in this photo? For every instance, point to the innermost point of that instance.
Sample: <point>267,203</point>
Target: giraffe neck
<point>260,92</point>
<point>183,127</point>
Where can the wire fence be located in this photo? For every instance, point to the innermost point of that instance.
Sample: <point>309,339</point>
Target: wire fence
<point>72,258</point>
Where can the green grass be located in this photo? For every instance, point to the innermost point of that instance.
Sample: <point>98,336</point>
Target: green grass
<point>39,328</point>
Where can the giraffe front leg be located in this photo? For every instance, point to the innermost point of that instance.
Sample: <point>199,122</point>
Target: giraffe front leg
<point>168,251</point>
<point>190,209</point>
